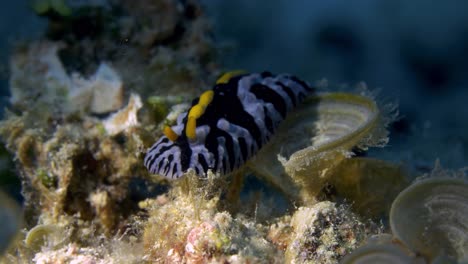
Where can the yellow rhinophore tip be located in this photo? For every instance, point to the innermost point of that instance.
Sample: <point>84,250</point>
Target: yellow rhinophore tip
<point>170,134</point>
<point>190,129</point>
<point>228,75</point>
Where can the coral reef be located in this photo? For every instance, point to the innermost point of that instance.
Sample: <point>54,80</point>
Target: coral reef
<point>91,97</point>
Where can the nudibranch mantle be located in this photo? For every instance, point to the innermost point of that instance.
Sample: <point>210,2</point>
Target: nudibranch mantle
<point>227,125</point>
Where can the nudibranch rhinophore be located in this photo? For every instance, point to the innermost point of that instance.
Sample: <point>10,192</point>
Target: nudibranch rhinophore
<point>227,125</point>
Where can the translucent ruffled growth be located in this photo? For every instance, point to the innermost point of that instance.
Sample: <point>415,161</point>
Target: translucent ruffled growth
<point>317,137</point>
<point>430,216</point>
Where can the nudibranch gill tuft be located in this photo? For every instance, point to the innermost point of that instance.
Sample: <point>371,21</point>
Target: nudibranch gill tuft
<point>227,125</point>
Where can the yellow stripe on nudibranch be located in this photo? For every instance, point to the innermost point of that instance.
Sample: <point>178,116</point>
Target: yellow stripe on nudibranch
<point>196,112</point>
<point>228,75</point>
<point>206,98</point>
<point>170,134</point>
<point>190,128</point>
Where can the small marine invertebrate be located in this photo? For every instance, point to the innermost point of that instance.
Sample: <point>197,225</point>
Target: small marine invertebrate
<point>227,125</point>
<point>430,217</point>
<point>317,137</point>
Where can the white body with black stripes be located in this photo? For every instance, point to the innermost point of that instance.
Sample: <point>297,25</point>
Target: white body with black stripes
<point>230,124</point>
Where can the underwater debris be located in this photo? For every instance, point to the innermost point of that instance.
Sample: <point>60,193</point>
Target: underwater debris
<point>316,138</point>
<point>324,233</point>
<point>227,125</point>
<point>430,216</point>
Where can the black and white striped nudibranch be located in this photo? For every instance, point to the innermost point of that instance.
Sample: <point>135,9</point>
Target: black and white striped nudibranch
<point>227,125</point>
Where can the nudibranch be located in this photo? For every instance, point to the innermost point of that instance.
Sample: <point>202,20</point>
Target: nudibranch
<point>227,125</point>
